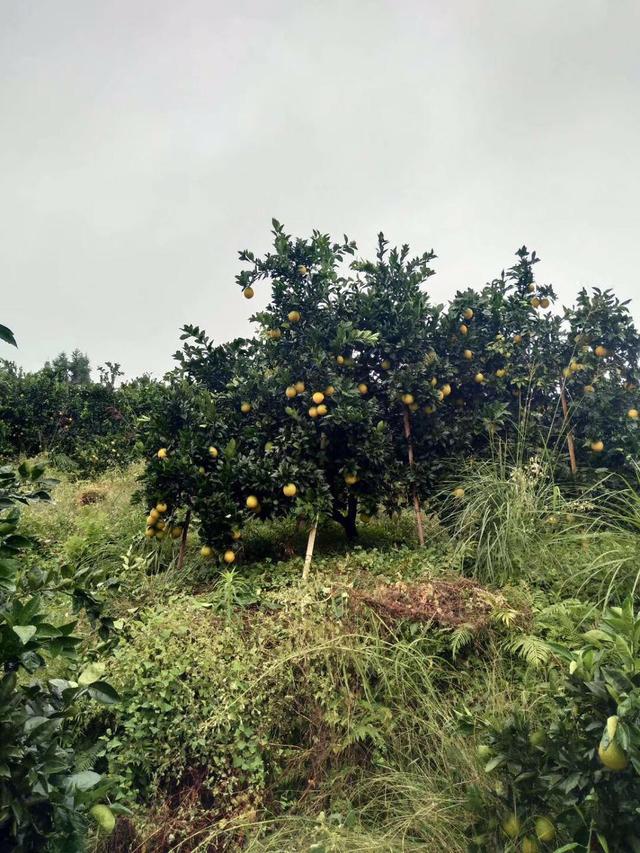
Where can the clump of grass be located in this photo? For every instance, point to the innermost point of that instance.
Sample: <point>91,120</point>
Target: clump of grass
<point>498,513</point>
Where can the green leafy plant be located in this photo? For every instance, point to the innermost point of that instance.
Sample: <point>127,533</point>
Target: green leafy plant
<point>577,778</point>
<point>44,799</point>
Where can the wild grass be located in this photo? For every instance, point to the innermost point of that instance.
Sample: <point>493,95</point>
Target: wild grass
<point>499,523</point>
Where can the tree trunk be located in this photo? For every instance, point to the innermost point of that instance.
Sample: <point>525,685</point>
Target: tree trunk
<point>348,519</point>
<point>183,539</point>
<point>570,443</point>
<point>414,494</point>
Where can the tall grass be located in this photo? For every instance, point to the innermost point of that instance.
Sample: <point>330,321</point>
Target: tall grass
<point>499,525</point>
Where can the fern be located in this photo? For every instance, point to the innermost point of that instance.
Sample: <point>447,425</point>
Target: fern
<point>530,648</point>
<point>460,638</point>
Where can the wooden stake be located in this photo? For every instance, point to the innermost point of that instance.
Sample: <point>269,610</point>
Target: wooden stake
<point>416,502</point>
<point>311,541</point>
<point>570,442</point>
<point>183,539</point>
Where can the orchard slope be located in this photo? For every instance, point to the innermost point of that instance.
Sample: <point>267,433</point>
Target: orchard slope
<point>357,394</point>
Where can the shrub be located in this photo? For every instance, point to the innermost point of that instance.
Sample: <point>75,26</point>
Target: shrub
<point>44,797</point>
<point>582,771</point>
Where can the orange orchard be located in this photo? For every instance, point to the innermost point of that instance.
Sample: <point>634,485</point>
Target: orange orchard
<point>402,394</point>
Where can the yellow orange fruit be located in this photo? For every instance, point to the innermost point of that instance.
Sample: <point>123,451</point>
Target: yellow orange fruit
<point>206,551</point>
<point>613,756</point>
<point>248,293</point>
<point>500,372</point>
<point>446,390</point>
<point>464,329</point>
<point>479,377</point>
<point>302,269</point>
<point>458,493</point>
<point>150,533</point>
<point>633,414</point>
<point>154,515</point>
<point>245,408</point>
<point>588,389</point>
<point>407,399</point>
<point>229,556</point>
<point>363,388</point>
<point>299,386</point>
<point>468,354</point>
<point>293,316</point>
<point>468,313</point>
<point>329,391</point>
<point>351,479</point>
<point>517,339</point>
<point>535,302</point>
<point>213,452</point>
<point>544,302</point>
<point>597,446</point>
<point>235,535</point>
<point>163,453</point>
<point>252,502</point>
<point>600,351</point>
<point>176,532</point>
<point>161,507</point>
<point>512,826</point>
<point>317,397</point>
<point>545,830</point>
<point>290,490</point>
<point>313,412</point>
<point>385,364</point>
<point>340,359</point>
<point>322,410</point>
<point>290,392</point>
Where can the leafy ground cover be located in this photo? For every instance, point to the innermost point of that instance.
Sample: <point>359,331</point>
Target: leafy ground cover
<point>398,700</point>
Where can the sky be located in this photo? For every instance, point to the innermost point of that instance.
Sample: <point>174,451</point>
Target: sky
<point>145,142</point>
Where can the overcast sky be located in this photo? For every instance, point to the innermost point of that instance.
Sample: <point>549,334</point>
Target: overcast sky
<point>144,142</point>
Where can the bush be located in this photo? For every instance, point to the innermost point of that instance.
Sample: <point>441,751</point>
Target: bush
<point>582,771</point>
<point>44,797</point>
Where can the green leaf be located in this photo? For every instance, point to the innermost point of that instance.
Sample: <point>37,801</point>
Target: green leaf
<point>93,672</point>
<point>83,781</point>
<point>25,632</point>
<point>103,692</point>
<point>6,335</point>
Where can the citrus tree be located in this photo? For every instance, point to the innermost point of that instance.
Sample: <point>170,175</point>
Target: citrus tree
<point>356,392</point>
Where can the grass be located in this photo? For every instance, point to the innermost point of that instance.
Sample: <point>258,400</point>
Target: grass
<point>381,753</point>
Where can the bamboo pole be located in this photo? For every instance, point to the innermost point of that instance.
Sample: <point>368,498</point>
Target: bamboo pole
<point>311,541</point>
<point>416,502</point>
<point>570,442</point>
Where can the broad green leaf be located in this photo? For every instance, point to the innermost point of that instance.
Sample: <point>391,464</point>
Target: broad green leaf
<point>103,692</point>
<point>84,780</point>
<point>7,336</point>
<point>25,632</point>
<point>91,673</point>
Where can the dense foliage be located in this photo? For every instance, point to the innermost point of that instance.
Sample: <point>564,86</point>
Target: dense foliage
<point>357,394</point>
<point>85,426</point>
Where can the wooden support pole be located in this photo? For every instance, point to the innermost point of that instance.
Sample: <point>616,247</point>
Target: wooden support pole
<point>570,442</point>
<point>416,502</point>
<point>311,541</point>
